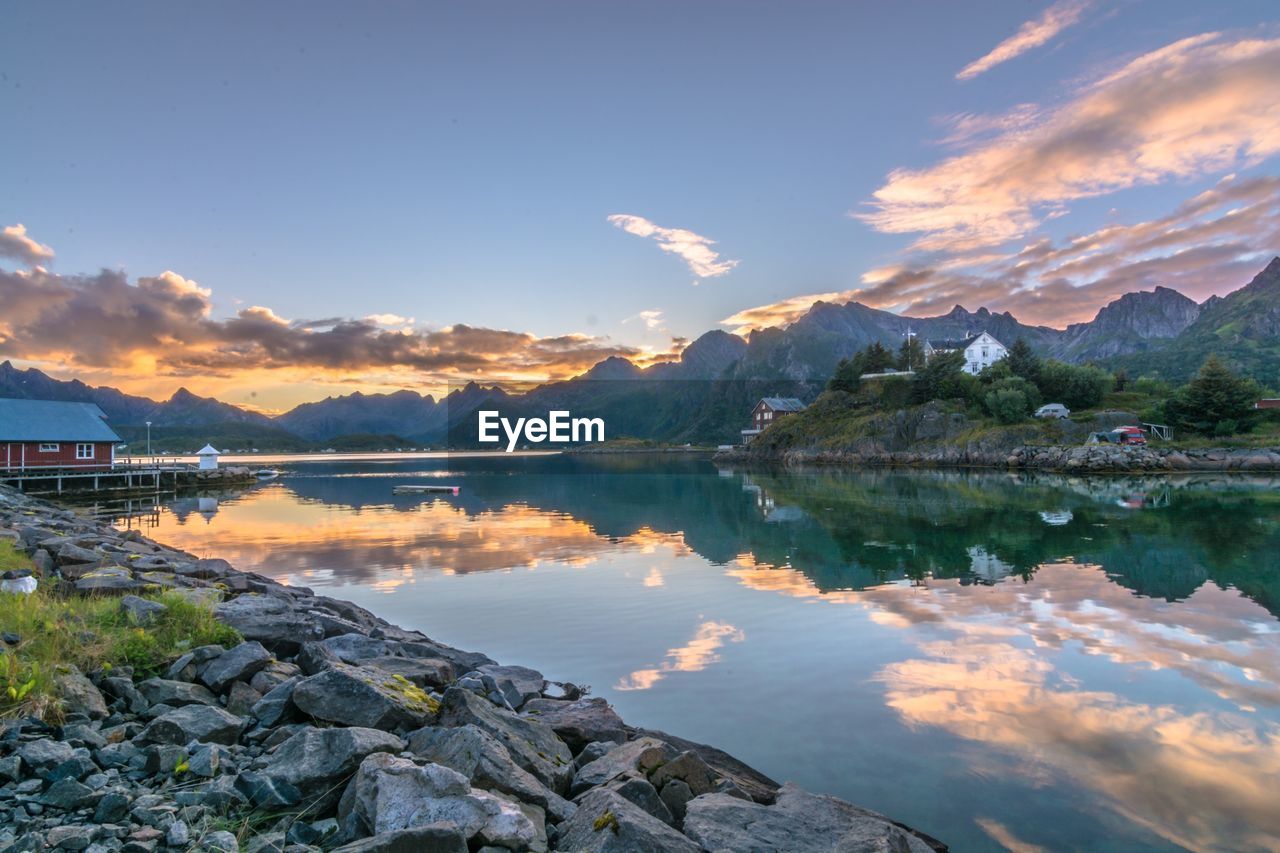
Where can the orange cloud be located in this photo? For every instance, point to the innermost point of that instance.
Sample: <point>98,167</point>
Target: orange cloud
<point>1030,35</point>
<point>694,249</point>
<point>694,656</point>
<point>16,245</point>
<point>1197,106</point>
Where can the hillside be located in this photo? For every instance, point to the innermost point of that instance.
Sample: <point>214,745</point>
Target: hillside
<point>1243,328</point>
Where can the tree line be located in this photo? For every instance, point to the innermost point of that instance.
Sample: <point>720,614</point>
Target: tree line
<point>1216,402</point>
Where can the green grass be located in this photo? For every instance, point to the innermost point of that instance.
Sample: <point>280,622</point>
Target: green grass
<point>90,633</point>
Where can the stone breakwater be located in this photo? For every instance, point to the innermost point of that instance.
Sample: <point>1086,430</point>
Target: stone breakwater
<point>1072,459</point>
<point>330,729</point>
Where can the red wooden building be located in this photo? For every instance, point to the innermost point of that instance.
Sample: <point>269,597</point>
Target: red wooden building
<point>55,435</point>
<point>768,410</point>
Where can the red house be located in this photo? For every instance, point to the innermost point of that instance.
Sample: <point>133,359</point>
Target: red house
<point>54,434</point>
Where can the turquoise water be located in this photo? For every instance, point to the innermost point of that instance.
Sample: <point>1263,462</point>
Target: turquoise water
<point>1004,662</point>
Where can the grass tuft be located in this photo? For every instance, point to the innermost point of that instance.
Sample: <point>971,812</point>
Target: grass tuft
<point>90,633</point>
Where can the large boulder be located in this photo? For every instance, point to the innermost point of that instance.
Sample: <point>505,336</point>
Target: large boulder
<point>277,705</point>
<point>798,821</point>
<point>634,757</point>
<point>424,672</point>
<point>314,759</point>
<point>578,723</point>
<point>360,696</point>
<point>517,683</point>
<point>390,793</point>
<point>202,723</point>
<point>79,696</point>
<point>747,779</point>
<point>532,744</point>
<point>275,622</point>
<point>177,694</point>
<point>112,579</point>
<point>607,822</point>
<point>480,757</point>
<point>238,664</point>
<point>437,838</point>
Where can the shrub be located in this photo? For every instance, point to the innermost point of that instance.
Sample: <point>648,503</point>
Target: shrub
<point>1007,405</point>
<point>1074,387</point>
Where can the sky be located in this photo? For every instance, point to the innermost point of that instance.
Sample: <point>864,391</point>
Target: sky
<point>272,203</point>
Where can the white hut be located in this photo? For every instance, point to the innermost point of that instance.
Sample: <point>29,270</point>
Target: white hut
<point>208,457</point>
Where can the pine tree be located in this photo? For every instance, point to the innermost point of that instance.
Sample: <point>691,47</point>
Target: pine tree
<point>1215,402</point>
<point>1023,361</point>
<point>910,354</point>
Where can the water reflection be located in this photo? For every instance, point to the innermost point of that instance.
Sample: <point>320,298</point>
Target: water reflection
<point>1098,659</point>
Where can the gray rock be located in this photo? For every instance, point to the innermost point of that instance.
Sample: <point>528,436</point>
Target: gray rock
<point>755,784</point>
<point>607,822</point>
<point>357,648</point>
<point>480,757</point>
<point>436,838</point>
<point>595,750</point>
<point>273,675</point>
<point>676,794</point>
<point>637,756</point>
<point>424,672</point>
<point>140,611</point>
<point>277,705</point>
<point>45,753</point>
<point>516,682</point>
<point>238,664</point>
<point>186,667</point>
<point>112,579</point>
<point>67,794</point>
<point>241,698</point>
<point>71,555</point>
<point>267,792</point>
<point>112,808</point>
<point>79,696</point>
<point>208,569</point>
<point>578,723</point>
<point>798,821</point>
<point>644,795</point>
<point>178,694</point>
<point>178,834</point>
<point>201,723</point>
<point>688,768</point>
<point>205,761</point>
<point>123,689</point>
<point>533,745</point>
<point>220,841</point>
<point>314,759</point>
<point>393,793</point>
<point>77,767</point>
<point>272,621</point>
<point>357,696</point>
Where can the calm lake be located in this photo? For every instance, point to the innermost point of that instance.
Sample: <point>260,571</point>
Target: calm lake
<point>1006,662</point>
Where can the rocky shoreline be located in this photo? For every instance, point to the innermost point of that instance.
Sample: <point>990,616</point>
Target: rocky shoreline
<point>331,729</point>
<point>1068,459</point>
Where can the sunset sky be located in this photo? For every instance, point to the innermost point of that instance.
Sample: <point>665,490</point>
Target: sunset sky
<point>272,203</point>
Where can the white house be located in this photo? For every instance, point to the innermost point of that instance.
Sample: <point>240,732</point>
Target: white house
<point>980,351</point>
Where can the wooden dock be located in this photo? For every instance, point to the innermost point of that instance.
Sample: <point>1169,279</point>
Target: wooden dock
<point>121,477</point>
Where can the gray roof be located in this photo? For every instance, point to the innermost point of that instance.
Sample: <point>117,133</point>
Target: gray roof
<point>52,420</point>
<point>953,345</point>
<point>783,404</point>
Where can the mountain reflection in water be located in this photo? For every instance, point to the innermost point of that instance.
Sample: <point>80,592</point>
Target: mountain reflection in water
<point>1005,662</point>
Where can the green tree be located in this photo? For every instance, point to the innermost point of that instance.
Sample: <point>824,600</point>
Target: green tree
<point>1074,387</point>
<point>1121,378</point>
<point>1215,402</point>
<point>1011,400</point>
<point>911,354</point>
<point>876,358</point>
<point>938,379</point>
<point>1023,361</point>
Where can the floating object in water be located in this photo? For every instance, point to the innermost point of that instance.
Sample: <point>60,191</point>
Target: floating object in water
<point>426,490</point>
<point>18,582</point>
<point>266,473</point>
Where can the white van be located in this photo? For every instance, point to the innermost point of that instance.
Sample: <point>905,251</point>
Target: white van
<point>1053,410</point>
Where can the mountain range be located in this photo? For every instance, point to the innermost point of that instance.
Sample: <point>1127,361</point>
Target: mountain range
<point>1159,332</point>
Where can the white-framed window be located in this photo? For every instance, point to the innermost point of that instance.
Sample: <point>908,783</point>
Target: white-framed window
<point>84,451</point>
<point>49,447</point>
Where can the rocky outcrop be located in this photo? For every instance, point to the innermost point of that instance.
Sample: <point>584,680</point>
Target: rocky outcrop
<point>328,728</point>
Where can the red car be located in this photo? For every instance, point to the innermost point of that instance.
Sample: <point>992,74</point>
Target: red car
<point>1130,435</point>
